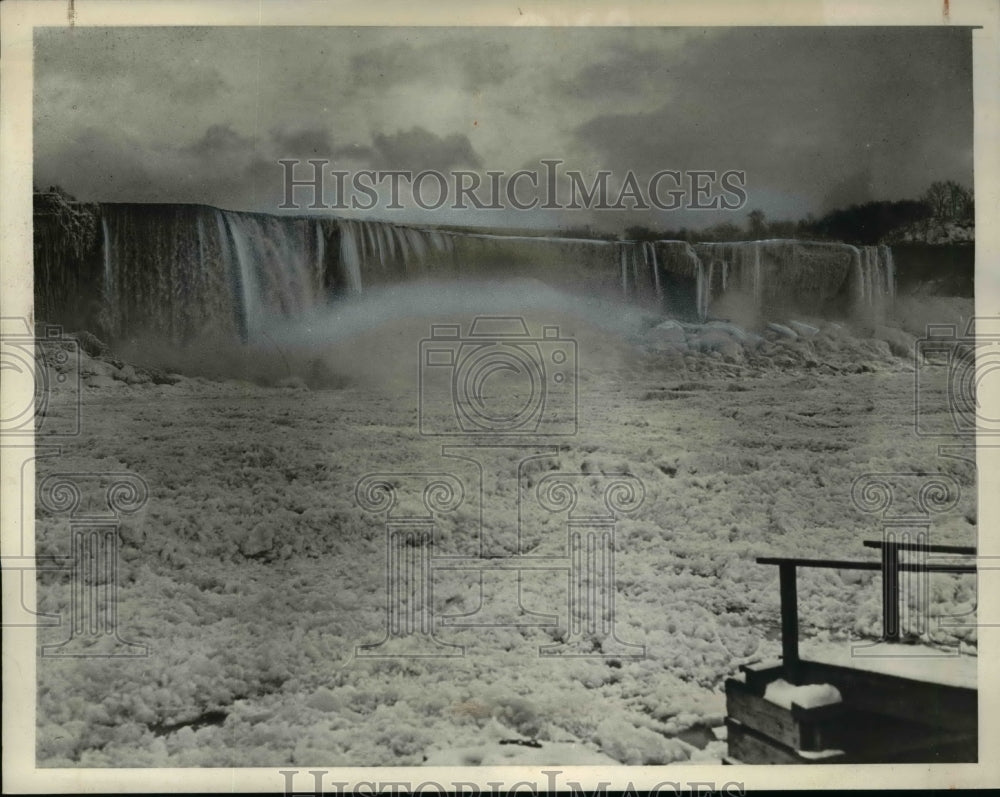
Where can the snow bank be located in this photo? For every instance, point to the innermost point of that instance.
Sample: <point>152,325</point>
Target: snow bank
<point>783,694</point>
<point>252,574</point>
<point>920,662</point>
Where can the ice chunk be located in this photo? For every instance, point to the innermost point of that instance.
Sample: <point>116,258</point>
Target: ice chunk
<point>805,330</point>
<point>782,330</point>
<point>783,694</point>
<point>817,755</point>
<point>728,328</point>
<point>667,332</point>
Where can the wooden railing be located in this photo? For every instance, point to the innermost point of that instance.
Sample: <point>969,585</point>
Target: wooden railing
<point>890,565</point>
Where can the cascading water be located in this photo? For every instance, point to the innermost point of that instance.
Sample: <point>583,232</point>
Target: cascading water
<point>649,253</point>
<point>810,275</point>
<point>245,279</point>
<point>621,260</point>
<point>639,271</point>
<point>885,253</point>
<point>187,271</point>
<point>873,276</point>
<point>109,297</point>
<point>758,286</point>
<point>350,256</point>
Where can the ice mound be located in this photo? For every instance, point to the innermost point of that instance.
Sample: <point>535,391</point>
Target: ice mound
<point>783,694</point>
<point>726,348</point>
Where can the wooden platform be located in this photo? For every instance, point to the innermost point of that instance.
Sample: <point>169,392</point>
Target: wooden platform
<point>899,704</point>
<point>882,719</point>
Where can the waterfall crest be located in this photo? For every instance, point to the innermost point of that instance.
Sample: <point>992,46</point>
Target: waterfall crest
<point>183,272</point>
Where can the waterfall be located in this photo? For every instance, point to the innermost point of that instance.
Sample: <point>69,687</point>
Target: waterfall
<point>371,240</point>
<point>185,271</point>
<point>890,271</point>
<point>806,276</point>
<point>707,298</point>
<point>700,289</point>
<point>350,257</point>
<point>866,274</point>
<point>758,285</point>
<point>320,251</point>
<point>109,288</point>
<point>624,272</point>
<point>637,284</point>
<point>649,250</point>
<point>383,246</point>
<point>247,282</point>
<point>857,277</point>
<point>873,276</point>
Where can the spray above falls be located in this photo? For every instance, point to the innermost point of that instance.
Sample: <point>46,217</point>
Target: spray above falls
<point>191,272</point>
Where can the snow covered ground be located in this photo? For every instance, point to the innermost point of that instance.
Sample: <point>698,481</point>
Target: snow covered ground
<point>253,574</point>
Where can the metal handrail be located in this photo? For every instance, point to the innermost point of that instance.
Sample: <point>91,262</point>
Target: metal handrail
<point>890,566</point>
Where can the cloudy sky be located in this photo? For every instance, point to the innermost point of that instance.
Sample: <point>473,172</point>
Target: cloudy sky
<point>817,118</point>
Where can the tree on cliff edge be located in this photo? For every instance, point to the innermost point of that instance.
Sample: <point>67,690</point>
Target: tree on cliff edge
<point>949,201</point>
<point>758,224</point>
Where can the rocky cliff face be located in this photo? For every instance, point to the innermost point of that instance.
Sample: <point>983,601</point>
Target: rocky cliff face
<point>935,232</point>
<point>67,257</point>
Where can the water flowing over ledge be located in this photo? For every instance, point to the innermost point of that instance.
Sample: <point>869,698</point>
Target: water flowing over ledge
<point>185,272</point>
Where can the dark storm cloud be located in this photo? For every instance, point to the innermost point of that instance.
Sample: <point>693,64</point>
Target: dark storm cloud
<point>485,63</point>
<point>356,152</point>
<point>855,188</point>
<point>302,142</point>
<point>198,87</point>
<point>90,159</point>
<point>219,141</point>
<point>418,149</point>
<point>474,61</point>
<point>94,166</point>
<point>141,57</point>
<point>804,110</point>
<point>628,72</point>
<point>390,64</point>
<point>816,117</point>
